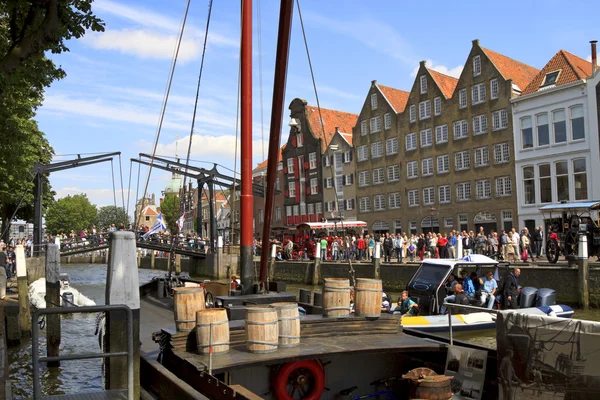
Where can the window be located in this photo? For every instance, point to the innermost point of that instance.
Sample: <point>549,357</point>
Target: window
<point>503,186</point>
<point>499,120</point>
<point>376,150</point>
<point>318,208</point>
<point>339,182</point>
<point>290,164</point>
<point>365,204</point>
<point>550,78</point>
<point>448,222</point>
<point>394,200</point>
<point>428,196</point>
<point>479,124</point>
<point>545,183</point>
<point>412,169</point>
<point>413,198</point>
<point>314,185</point>
<point>444,194</point>
<point>443,164</point>
<point>526,133</point>
<point>330,206</point>
<point>412,112</point>
<point>375,124</point>
<point>461,129</point>
<point>560,126</point>
<point>393,173</point>
<point>292,191</point>
<point>363,128</point>
<point>425,109</point>
<point>277,185</point>
<point>426,138</point>
<point>463,191</point>
<point>543,130</point>
<point>483,189</point>
<point>423,80</point>
<point>494,90</point>
<point>482,157</point>
<point>391,146</point>
<point>427,167</point>
<point>476,66</point>
<point>379,202</point>
<point>348,157</point>
<point>580,177</point>
<point>437,105</point>
<point>378,176</point>
<point>529,185</point>
<point>299,140</point>
<point>362,153</point>
<point>387,120</point>
<point>577,126</point>
<point>441,134</point>
<point>326,161</point>
<point>348,179</point>
<point>312,160</point>
<point>278,214</point>
<point>462,98</point>
<point>501,153</point>
<point>562,180</point>
<point>279,166</point>
<point>374,101</point>
<point>463,222</point>
<point>411,141</point>
<point>363,178</point>
<point>311,208</point>
<point>328,183</point>
<point>288,211</point>
<point>261,216</point>
<point>478,94</point>
<point>349,204</point>
<point>462,160</point>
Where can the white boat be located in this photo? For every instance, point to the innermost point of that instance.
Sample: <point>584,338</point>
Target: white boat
<point>37,293</point>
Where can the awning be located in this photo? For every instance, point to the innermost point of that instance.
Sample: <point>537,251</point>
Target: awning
<point>580,206</point>
<point>332,225</point>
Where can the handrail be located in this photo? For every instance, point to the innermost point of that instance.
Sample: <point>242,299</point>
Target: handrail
<point>36,359</point>
<point>450,306</point>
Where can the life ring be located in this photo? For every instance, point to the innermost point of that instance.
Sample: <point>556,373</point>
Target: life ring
<point>297,374</point>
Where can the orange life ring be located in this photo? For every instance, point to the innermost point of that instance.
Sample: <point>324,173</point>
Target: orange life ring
<point>314,367</point>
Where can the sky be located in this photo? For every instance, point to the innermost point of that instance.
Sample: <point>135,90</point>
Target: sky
<point>112,96</point>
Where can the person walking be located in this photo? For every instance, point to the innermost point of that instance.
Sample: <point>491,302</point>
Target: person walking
<point>538,238</point>
<point>398,246</point>
<point>452,245</point>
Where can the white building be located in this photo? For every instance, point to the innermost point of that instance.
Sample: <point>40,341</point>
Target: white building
<point>556,138</point>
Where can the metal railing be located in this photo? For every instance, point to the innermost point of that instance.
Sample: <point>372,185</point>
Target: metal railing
<point>450,306</point>
<point>36,359</point>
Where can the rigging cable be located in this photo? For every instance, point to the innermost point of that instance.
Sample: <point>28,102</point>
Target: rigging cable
<point>112,174</point>
<point>121,174</point>
<point>165,101</point>
<point>129,187</point>
<point>137,190</point>
<point>237,134</point>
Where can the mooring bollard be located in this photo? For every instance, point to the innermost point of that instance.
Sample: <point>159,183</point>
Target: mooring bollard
<point>122,287</point>
<point>24,311</point>
<point>376,260</point>
<point>584,271</point>
<point>315,280</point>
<point>52,301</point>
<point>272,261</point>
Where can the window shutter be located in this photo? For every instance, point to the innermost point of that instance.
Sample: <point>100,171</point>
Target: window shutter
<point>324,182</point>
<point>298,191</point>
<point>296,172</point>
<point>285,170</point>
<point>344,180</point>
<point>331,159</point>
<point>305,164</point>
<point>316,189</point>
<point>293,140</point>
<point>307,189</point>
<point>286,193</point>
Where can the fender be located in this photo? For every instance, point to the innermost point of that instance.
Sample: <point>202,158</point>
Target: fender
<point>313,366</point>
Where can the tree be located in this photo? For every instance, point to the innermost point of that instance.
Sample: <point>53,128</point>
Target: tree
<point>109,215</point>
<point>71,213</point>
<point>170,211</point>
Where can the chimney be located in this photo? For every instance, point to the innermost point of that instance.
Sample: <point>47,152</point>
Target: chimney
<point>594,59</point>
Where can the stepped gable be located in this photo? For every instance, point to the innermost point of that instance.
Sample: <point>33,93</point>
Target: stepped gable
<point>520,73</point>
<point>332,119</point>
<point>395,97</point>
<point>446,83</point>
<point>572,69</point>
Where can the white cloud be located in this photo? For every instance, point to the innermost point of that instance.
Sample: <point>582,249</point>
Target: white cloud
<point>454,72</point>
<point>589,58</point>
<point>138,15</point>
<point>99,197</point>
<point>144,44</point>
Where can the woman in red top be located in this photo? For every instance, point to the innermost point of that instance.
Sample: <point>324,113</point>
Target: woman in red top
<point>442,246</point>
<point>360,245</point>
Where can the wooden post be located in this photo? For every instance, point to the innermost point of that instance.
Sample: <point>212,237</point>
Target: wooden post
<point>139,259</point>
<point>272,261</point>
<point>315,278</point>
<point>376,260</point>
<point>583,272</point>
<point>122,287</point>
<point>24,312</point>
<point>177,264</point>
<point>152,259</point>
<point>52,301</point>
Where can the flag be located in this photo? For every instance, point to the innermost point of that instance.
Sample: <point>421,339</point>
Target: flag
<point>159,225</point>
<point>180,222</point>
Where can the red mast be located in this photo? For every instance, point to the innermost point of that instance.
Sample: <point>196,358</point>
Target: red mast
<point>246,200</point>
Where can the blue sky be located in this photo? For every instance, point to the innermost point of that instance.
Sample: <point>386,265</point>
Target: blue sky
<point>112,95</point>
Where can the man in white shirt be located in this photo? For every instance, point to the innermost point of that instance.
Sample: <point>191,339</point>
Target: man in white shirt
<point>516,238</point>
<point>398,243</point>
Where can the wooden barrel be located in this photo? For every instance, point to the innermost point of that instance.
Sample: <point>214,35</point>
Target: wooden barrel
<point>186,302</point>
<point>262,329</point>
<point>436,387</point>
<point>336,297</point>
<point>217,317</point>
<point>368,298</point>
<point>289,324</point>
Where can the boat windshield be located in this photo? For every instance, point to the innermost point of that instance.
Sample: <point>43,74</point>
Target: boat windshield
<point>431,273</point>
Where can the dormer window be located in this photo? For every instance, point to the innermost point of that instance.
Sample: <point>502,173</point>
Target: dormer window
<point>476,66</point>
<point>423,79</point>
<point>551,78</point>
<point>299,140</point>
<point>374,101</point>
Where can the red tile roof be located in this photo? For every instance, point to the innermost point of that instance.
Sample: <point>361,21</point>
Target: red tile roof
<point>520,73</point>
<point>149,210</point>
<point>446,83</point>
<point>396,97</point>
<point>572,69</point>
<point>264,163</point>
<point>331,119</point>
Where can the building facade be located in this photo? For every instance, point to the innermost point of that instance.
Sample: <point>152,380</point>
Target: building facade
<point>339,180</point>
<point>556,146</point>
<point>259,176</point>
<point>455,157</point>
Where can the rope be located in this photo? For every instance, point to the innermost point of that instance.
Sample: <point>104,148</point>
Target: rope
<point>164,106</point>
<point>112,173</point>
<point>121,174</point>
<point>129,188</point>
<point>312,75</point>
<point>235,151</point>
<point>137,189</point>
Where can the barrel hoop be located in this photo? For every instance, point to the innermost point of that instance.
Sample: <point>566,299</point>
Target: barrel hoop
<point>274,344</point>
<point>183,330</point>
<point>340,289</point>
<point>360,289</point>
<point>261,322</point>
<point>215,344</point>
<point>337,308</point>
<point>185,320</point>
<point>288,318</point>
<point>289,337</point>
<point>214,323</point>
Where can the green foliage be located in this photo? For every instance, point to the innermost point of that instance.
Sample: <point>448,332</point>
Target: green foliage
<point>170,211</point>
<point>71,213</point>
<point>108,215</point>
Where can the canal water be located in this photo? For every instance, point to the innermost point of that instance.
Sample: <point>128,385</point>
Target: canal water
<point>78,335</point>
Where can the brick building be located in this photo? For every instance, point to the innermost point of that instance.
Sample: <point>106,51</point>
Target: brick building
<point>455,164</point>
<point>339,197</point>
<point>259,176</point>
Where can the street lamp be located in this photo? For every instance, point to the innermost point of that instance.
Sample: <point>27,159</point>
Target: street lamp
<point>432,213</point>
